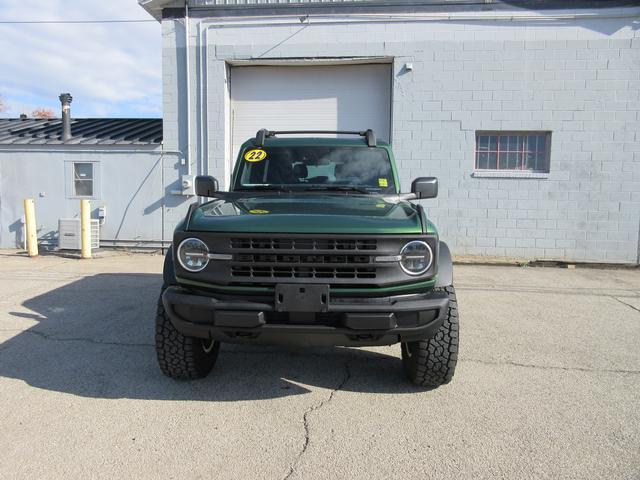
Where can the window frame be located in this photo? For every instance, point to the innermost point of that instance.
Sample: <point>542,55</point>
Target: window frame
<point>512,172</point>
<point>70,174</point>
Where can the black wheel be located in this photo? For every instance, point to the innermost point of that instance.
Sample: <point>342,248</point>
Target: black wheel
<point>432,362</point>
<point>179,356</point>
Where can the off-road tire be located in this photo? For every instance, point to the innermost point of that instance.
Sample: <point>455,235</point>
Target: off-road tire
<point>179,356</point>
<point>432,362</point>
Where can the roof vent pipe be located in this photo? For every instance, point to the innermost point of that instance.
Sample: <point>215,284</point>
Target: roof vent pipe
<point>65,99</point>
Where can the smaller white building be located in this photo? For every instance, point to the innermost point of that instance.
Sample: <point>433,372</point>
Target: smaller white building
<point>115,163</point>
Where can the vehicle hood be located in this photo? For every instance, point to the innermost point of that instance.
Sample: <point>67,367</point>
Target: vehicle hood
<point>307,213</point>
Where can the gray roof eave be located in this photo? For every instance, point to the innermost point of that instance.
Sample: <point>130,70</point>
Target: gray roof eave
<point>154,7</point>
<point>172,9</point>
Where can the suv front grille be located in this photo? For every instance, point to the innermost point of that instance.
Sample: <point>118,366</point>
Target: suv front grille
<point>321,258</point>
<point>338,260</point>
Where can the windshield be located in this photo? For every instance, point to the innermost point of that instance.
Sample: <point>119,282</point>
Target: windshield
<point>358,169</point>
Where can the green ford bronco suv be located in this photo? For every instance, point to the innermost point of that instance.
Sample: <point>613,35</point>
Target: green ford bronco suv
<point>314,244</point>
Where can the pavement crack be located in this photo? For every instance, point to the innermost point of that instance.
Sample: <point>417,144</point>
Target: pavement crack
<point>307,414</point>
<point>628,305</point>
<point>552,367</point>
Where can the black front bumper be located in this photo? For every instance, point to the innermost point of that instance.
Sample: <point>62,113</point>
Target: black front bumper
<point>347,322</point>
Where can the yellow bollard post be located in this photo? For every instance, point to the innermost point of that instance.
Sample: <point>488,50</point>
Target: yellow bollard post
<point>30,225</point>
<point>85,228</point>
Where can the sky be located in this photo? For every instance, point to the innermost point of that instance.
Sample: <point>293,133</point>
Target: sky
<point>110,69</point>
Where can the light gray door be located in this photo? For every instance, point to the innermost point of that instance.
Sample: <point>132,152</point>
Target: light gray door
<point>338,97</point>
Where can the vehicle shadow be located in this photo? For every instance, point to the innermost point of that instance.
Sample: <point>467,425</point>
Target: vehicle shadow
<point>94,338</point>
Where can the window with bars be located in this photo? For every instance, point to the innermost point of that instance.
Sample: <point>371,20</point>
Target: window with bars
<point>513,151</point>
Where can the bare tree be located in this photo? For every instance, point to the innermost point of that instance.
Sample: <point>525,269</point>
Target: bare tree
<point>43,113</point>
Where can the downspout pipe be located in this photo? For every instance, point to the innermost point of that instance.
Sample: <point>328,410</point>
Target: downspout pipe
<point>187,41</point>
<point>65,100</point>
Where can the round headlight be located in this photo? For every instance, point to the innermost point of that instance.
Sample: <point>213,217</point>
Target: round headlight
<point>193,254</point>
<point>416,257</point>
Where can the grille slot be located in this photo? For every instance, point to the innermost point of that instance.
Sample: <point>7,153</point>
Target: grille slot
<point>255,271</point>
<point>337,244</point>
<point>311,259</point>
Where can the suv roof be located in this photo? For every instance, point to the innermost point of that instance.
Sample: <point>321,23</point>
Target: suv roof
<point>313,141</point>
<point>265,137</point>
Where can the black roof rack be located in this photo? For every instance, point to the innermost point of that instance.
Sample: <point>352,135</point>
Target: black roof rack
<point>263,134</point>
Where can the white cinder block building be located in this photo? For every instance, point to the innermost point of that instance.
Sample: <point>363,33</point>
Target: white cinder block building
<point>527,112</point>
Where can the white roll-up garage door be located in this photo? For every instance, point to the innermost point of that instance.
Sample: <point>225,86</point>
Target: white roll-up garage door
<point>337,97</point>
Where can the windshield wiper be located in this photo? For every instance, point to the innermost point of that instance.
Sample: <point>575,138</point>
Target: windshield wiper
<point>264,188</point>
<point>337,188</point>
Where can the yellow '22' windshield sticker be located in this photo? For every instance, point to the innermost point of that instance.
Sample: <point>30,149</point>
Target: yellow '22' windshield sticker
<point>255,155</point>
<point>382,182</point>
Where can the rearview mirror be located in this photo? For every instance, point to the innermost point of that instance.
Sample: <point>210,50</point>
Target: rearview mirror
<point>425,187</point>
<point>206,186</point>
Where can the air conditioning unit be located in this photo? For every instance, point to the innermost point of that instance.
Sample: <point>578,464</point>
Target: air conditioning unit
<point>69,234</point>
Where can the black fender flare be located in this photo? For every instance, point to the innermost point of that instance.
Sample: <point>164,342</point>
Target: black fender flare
<point>445,266</point>
<point>168,271</point>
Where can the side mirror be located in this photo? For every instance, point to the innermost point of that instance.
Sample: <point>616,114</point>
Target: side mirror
<point>206,186</point>
<point>425,187</point>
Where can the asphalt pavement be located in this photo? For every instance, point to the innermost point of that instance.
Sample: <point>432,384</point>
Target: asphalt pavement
<point>547,386</point>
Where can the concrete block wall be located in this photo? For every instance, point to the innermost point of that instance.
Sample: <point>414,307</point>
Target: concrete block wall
<point>579,79</point>
<point>175,109</point>
<point>587,208</point>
